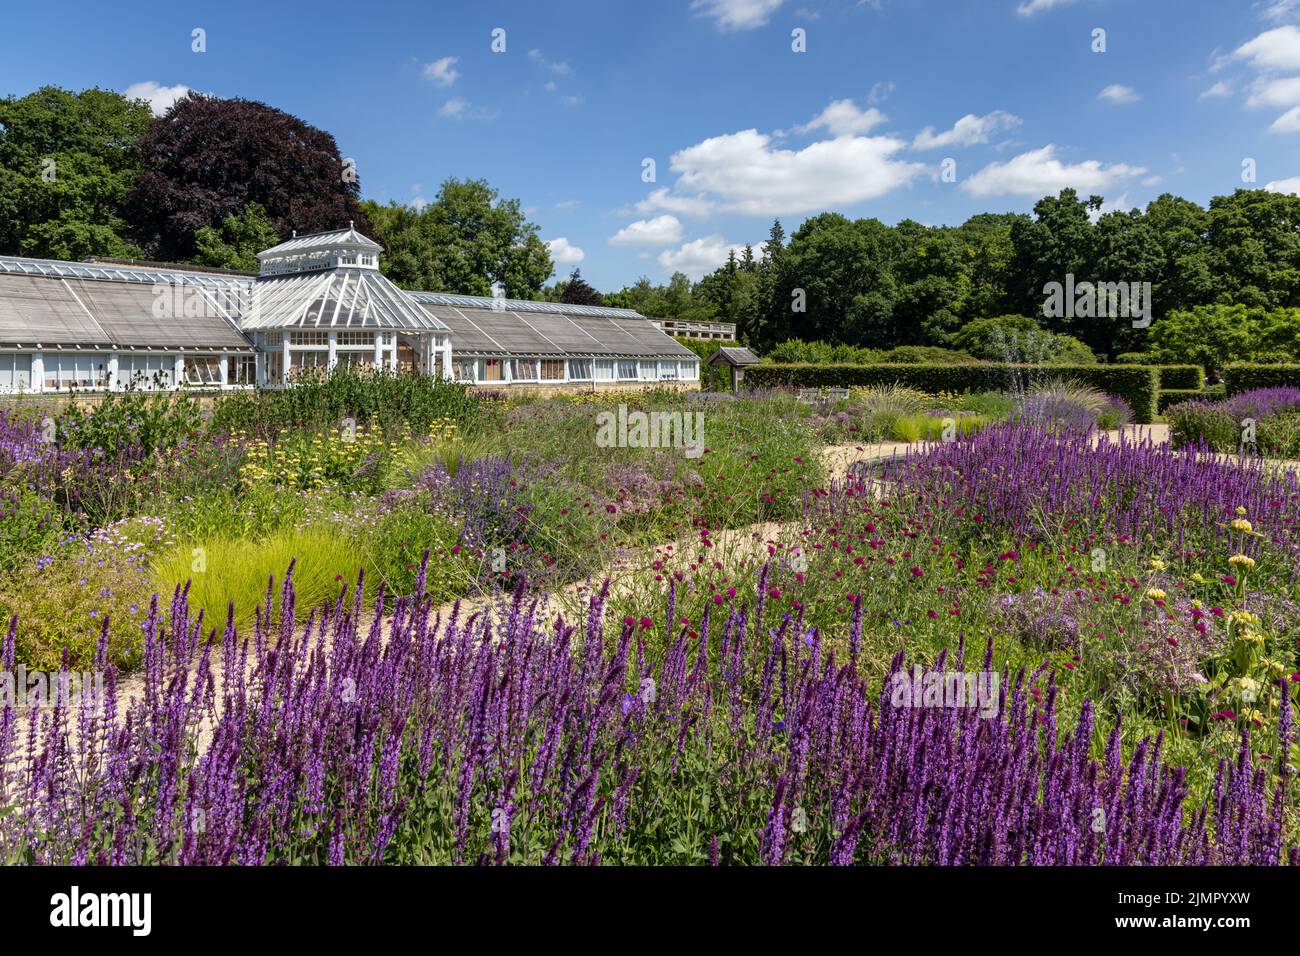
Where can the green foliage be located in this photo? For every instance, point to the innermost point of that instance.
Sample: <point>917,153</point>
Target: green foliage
<point>823,353</point>
<point>1018,338</point>
<point>67,161</point>
<point>372,397</point>
<point>225,571</point>
<point>1215,336</point>
<point>63,599</point>
<point>1137,385</point>
<point>128,419</point>
<point>30,526</point>
<point>1244,376</point>
<point>1170,397</point>
<point>463,241</point>
<point>236,244</point>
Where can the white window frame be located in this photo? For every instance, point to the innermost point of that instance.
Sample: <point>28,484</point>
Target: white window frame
<point>524,369</point>
<point>647,370</point>
<point>580,369</point>
<point>604,370</point>
<point>159,374</point>
<point>623,370</point>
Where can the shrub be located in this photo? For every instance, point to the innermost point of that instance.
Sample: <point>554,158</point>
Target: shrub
<point>1181,376</point>
<point>1019,338</point>
<point>822,353</point>
<point>66,595</point>
<point>1200,422</point>
<point>1244,376</point>
<point>924,354</point>
<point>130,419</point>
<point>373,397</point>
<point>1137,385</point>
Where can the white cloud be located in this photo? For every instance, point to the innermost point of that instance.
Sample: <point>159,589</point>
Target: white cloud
<point>746,174</point>
<point>662,198</point>
<point>1119,93</point>
<point>1218,89</point>
<point>1274,93</point>
<point>1291,186</point>
<point>660,231</point>
<point>563,252</point>
<point>568,204</point>
<point>699,256</point>
<point>558,67</point>
<point>1280,9</point>
<point>1276,49</point>
<point>1288,122</point>
<point>967,131</point>
<point>442,72</point>
<point>1030,7</point>
<point>843,118</point>
<point>880,92</point>
<point>455,108</point>
<point>1039,173</point>
<point>159,98</point>
<point>737,14</point>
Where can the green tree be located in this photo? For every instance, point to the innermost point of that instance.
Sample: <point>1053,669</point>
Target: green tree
<point>464,241</point>
<point>67,161</point>
<point>577,291</point>
<point>236,244</point>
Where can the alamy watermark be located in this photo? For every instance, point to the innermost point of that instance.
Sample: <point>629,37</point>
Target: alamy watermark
<point>638,429</point>
<point>980,691</point>
<point>39,690</point>
<point>1098,300</point>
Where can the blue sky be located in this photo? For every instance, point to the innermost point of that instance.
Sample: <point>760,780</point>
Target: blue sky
<point>741,127</point>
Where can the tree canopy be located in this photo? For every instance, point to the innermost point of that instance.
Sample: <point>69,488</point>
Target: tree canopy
<point>464,241</point>
<point>211,158</point>
<point>67,161</point>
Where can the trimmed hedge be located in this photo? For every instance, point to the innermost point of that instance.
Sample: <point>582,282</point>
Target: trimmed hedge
<point>1172,396</point>
<point>1139,385</point>
<point>1243,376</point>
<point>1181,377</point>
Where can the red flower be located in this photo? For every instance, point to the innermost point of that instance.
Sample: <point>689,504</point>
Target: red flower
<point>646,623</point>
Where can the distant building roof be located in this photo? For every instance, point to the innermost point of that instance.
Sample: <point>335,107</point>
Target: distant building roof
<point>736,356</point>
<point>501,331</point>
<point>522,305</point>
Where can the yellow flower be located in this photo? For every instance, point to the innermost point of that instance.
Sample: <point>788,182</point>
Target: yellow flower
<point>1242,525</point>
<point>1242,560</point>
<point>1155,594</point>
<point>1157,564</point>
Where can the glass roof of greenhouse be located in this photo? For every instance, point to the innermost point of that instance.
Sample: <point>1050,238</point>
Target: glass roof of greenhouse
<point>106,305</point>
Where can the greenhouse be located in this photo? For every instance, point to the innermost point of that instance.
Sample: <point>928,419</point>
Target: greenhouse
<point>316,303</point>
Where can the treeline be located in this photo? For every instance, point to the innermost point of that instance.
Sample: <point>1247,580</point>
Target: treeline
<point>863,283</point>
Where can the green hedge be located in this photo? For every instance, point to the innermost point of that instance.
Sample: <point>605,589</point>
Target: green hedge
<point>1172,396</point>
<point>1243,376</point>
<point>1139,385</point>
<point>1181,377</point>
